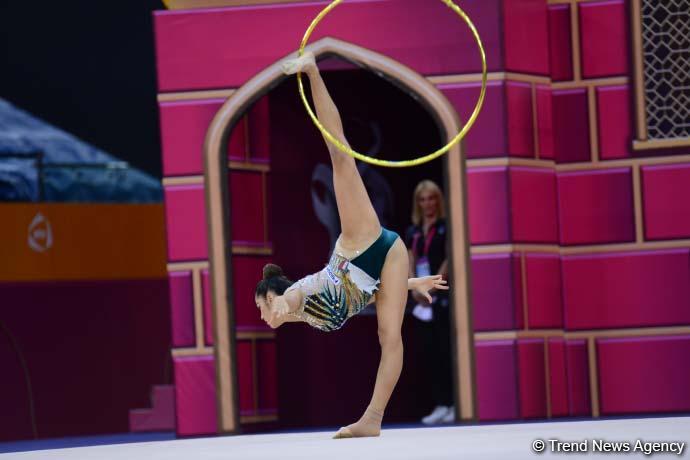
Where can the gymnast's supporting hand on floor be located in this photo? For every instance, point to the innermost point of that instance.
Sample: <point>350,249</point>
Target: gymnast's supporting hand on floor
<point>369,264</point>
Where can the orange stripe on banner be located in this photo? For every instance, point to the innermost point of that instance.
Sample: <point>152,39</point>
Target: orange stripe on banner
<point>60,241</point>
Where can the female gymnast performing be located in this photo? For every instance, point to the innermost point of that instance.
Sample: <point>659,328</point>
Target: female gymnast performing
<point>369,264</point>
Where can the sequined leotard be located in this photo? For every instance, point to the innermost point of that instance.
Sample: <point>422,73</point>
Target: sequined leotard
<point>344,287</point>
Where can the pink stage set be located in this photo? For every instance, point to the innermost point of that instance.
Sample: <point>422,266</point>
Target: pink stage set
<point>576,205</point>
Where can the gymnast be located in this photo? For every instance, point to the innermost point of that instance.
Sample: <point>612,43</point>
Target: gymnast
<point>369,264</point>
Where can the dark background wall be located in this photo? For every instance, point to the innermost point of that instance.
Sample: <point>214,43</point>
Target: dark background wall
<point>93,350</point>
<point>88,68</point>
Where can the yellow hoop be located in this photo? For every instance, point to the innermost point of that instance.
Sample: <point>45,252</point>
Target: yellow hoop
<point>393,163</point>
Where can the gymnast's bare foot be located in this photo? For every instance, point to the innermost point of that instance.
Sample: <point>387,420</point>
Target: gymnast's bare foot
<point>369,425</point>
<point>304,63</point>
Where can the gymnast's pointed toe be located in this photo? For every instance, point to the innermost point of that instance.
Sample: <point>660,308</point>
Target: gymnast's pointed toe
<point>343,433</point>
<point>300,64</point>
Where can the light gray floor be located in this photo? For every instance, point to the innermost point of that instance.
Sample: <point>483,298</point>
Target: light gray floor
<point>510,441</point>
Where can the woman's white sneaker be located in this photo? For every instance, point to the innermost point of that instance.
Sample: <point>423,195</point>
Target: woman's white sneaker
<point>436,416</point>
<point>450,416</point>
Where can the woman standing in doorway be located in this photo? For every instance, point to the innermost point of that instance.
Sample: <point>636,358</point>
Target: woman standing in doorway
<point>426,243</point>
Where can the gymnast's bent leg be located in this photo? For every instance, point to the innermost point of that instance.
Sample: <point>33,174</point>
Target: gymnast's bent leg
<point>360,227</point>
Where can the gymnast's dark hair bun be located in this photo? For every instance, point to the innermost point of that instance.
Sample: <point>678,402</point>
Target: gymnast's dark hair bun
<point>271,270</point>
<point>273,281</point>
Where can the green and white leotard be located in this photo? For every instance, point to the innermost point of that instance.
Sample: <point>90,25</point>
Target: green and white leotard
<point>344,287</point>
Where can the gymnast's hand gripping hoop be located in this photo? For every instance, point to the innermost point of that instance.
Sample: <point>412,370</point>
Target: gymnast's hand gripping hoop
<point>394,163</point>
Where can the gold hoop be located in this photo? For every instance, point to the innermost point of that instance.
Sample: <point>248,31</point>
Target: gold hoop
<point>394,163</point>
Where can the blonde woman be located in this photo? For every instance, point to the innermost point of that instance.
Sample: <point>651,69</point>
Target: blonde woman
<point>426,242</point>
<point>369,264</point>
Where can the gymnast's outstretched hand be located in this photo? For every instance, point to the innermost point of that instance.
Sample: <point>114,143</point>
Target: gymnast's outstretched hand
<point>426,284</point>
<point>304,63</point>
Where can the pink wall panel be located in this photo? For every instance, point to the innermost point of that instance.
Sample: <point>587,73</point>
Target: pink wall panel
<point>604,38</point>
<point>223,47</point>
<point>246,272</point>
<point>237,143</point>
<point>195,395</point>
<point>208,307</point>
<point>525,29</point>
<point>596,206</point>
<point>497,394</point>
<point>518,292</point>
<point>545,122</point>
<point>267,375</point>
<point>259,141</point>
<point>269,209</point>
<point>487,138</point>
<point>183,129</point>
<point>579,398</point>
<point>614,121</point>
<point>560,48</point>
<point>532,378</point>
<point>545,308</point>
<point>666,207</point>
<point>245,376</point>
<point>558,378</point>
<point>496,292</point>
<point>185,222</point>
<point>182,308</point>
<point>534,207</point>
<point>647,374</point>
<point>520,126</point>
<point>632,289</point>
<point>570,125</point>
<point>487,190</point>
<point>247,207</point>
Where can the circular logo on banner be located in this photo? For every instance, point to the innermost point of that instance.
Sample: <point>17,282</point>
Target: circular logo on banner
<point>40,234</point>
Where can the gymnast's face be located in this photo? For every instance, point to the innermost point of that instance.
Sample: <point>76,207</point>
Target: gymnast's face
<point>264,305</point>
<point>428,202</point>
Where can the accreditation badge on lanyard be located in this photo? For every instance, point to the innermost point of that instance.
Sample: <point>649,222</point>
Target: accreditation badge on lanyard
<point>422,268</point>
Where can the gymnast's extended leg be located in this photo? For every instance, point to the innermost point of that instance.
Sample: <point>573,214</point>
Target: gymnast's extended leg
<point>359,223</point>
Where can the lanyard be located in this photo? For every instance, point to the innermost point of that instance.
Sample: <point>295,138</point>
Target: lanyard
<point>427,243</point>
